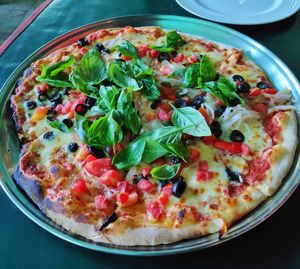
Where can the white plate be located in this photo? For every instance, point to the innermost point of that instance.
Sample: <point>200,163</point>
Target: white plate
<point>242,12</point>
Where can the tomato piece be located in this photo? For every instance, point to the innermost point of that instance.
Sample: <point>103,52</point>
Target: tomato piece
<point>146,171</point>
<point>192,59</point>
<point>125,186</point>
<point>167,93</point>
<point>125,199</point>
<point>155,210</point>
<point>219,102</point>
<point>163,115</point>
<point>254,92</point>
<point>186,136</point>
<point>272,126</point>
<point>230,147</point>
<point>210,46</point>
<point>99,166</point>
<point>43,88</point>
<point>40,113</point>
<point>269,91</point>
<point>90,158</point>
<point>166,106</point>
<point>194,154</point>
<point>257,170</point>
<point>203,172</point>
<point>178,58</point>
<point>164,200</point>
<point>236,189</point>
<point>142,50</point>
<point>101,202</point>
<point>83,50</point>
<point>204,114</point>
<point>145,185</point>
<point>261,108</point>
<point>110,178</point>
<point>125,58</point>
<point>167,190</point>
<point>165,70</point>
<point>153,53</point>
<point>209,139</point>
<point>79,188</point>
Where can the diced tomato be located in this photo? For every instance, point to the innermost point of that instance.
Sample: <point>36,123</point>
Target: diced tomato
<point>219,102</point>
<point>43,88</point>
<point>210,46</point>
<point>83,50</point>
<point>255,92</point>
<point>160,161</point>
<point>236,189</point>
<point>101,202</point>
<point>125,186</point>
<point>192,59</point>
<point>272,126</point>
<point>194,154</point>
<point>261,108</point>
<point>165,106</point>
<point>162,115</point>
<point>155,210</point>
<point>186,136</point>
<point>269,91</point>
<point>143,50</point>
<point>257,170</point>
<point>246,150</point>
<point>110,178</point>
<point>203,173</point>
<point>153,53</point>
<point>125,58</point>
<point>40,113</point>
<point>167,93</point>
<point>164,200</point>
<point>209,139</point>
<point>167,190</point>
<point>79,188</point>
<point>99,166</point>
<point>231,147</point>
<point>125,199</point>
<point>178,58</point>
<point>146,171</point>
<point>90,158</point>
<point>117,148</point>
<point>204,114</point>
<point>145,185</point>
<point>165,70</point>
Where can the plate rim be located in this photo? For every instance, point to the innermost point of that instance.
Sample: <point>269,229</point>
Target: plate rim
<point>107,249</point>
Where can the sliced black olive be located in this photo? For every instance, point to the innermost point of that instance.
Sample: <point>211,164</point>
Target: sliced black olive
<point>68,122</point>
<point>112,218</point>
<point>200,57</point>
<point>175,160</point>
<point>174,53</point>
<point>263,85</point>
<point>197,101</point>
<point>232,176</point>
<point>106,82</point>
<point>179,188</point>
<point>237,136</point>
<point>106,50</point>
<point>42,97</point>
<point>55,97</point>
<point>72,147</point>
<point>100,47</point>
<point>31,105</point>
<point>162,183</point>
<point>51,118</point>
<point>237,78</point>
<point>189,142</point>
<point>96,152</point>
<point>163,56</point>
<point>215,128</point>
<point>136,178</point>
<point>89,101</point>
<point>55,103</point>
<point>81,109</point>
<point>174,179</point>
<point>243,87</point>
<point>180,103</point>
<point>67,91</point>
<point>155,104</point>
<point>48,136</point>
<point>220,110</point>
<point>82,42</point>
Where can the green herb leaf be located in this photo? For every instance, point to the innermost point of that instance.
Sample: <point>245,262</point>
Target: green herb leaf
<point>150,90</point>
<point>191,76</point>
<point>81,127</point>
<point>179,150</point>
<point>153,150</point>
<point>58,125</point>
<point>173,42</point>
<point>129,156</point>
<point>228,89</point>
<point>191,121</point>
<point>127,49</point>
<point>164,135</point>
<point>109,96</point>
<point>180,73</point>
<point>55,82</point>
<point>132,120</point>
<point>125,100</point>
<point>165,171</point>
<point>207,69</point>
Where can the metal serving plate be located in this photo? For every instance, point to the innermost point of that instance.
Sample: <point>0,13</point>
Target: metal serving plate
<point>276,70</point>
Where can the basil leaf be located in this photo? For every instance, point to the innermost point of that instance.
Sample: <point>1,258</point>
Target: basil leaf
<point>139,69</point>
<point>132,120</point>
<point>127,49</point>
<point>106,131</point>
<point>165,171</point>
<point>121,78</point>
<point>173,42</point>
<point>180,73</point>
<point>207,69</point>
<point>150,90</point>
<point>191,121</point>
<point>90,70</point>
<point>129,156</point>
<point>56,68</point>
<point>55,82</point>
<point>109,97</point>
<point>179,150</point>
<point>165,134</point>
<point>58,125</point>
<point>81,127</point>
<point>125,99</point>
<point>228,89</point>
<point>118,116</point>
<point>153,150</point>
<point>191,75</point>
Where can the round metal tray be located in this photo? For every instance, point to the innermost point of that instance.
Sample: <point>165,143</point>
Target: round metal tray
<point>276,70</point>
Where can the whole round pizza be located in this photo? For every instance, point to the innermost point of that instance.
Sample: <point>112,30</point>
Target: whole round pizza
<point>143,136</point>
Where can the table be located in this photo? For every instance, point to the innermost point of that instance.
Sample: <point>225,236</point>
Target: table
<point>23,244</point>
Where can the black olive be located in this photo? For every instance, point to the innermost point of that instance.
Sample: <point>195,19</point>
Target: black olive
<point>81,109</point>
<point>42,97</point>
<point>155,104</point>
<point>31,105</point>
<point>217,76</point>
<point>82,42</point>
<point>55,97</point>
<point>51,118</point>
<point>89,101</point>
<point>106,50</point>
<point>174,179</point>
<point>243,87</point>
<point>237,78</point>
<point>215,128</point>
<point>179,188</point>
<point>112,218</point>
<point>73,147</point>
<point>263,85</point>
<point>136,178</point>
<point>55,103</point>
<point>180,103</point>
<point>175,160</point>
<point>200,57</point>
<point>162,183</point>
<point>166,84</point>
<point>232,176</point>
<point>220,110</point>
<point>48,136</point>
<point>197,101</point>
<point>174,53</point>
<point>106,82</point>
<point>67,91</point>
<point>96,152</point>
<point>189,142</point>
<point>237,136</point>
<point>68,122</point>
<point>163,56</point>
<point>100,47</point>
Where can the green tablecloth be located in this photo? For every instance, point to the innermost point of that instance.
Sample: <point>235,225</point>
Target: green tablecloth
<point>23,244</point>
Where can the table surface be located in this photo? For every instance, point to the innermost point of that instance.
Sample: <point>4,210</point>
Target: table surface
<point>273,244</point>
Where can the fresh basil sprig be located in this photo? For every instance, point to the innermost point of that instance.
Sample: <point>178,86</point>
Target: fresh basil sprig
<point>127,49</point>
<point>173,42</point>
<point>81,127</point>
<point>165,171</point>
<point>58,125</point>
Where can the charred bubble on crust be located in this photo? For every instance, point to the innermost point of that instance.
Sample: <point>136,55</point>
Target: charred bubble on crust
<point>112,218</point>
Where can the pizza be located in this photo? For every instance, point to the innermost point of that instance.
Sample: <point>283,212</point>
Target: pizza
<point>145,136</point>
